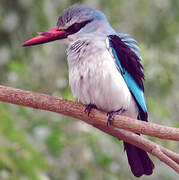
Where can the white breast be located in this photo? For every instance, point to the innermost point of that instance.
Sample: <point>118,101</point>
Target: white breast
<point>94,77</point>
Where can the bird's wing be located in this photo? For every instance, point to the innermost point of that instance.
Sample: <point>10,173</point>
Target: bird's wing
<point>128,60</point>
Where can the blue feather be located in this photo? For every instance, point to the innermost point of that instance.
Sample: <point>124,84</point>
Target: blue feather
<point>131,83</point>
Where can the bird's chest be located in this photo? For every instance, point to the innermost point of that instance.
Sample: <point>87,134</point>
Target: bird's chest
<point>94,78</point>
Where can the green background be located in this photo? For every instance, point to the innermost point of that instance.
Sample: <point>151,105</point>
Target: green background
<point>39,145</point>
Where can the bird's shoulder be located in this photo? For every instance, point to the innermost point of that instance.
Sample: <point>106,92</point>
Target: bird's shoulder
<point>87,45</point>
<point>85,50</point>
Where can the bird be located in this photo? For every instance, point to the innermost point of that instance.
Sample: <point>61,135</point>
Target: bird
<point>105,70</point>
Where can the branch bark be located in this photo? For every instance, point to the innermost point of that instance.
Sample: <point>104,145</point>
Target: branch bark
<point>76,110</point>
<point>123,127</point>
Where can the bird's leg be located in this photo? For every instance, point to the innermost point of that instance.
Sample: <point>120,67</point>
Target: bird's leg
<point>89,107</point>
<point>112,114</point>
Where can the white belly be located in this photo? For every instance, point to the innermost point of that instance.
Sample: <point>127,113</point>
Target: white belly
<point>96,80</point>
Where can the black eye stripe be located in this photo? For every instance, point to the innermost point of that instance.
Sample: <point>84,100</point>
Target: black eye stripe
<point>76,27</point>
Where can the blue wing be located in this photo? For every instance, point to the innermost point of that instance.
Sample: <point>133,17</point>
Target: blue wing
<point>128,59</point>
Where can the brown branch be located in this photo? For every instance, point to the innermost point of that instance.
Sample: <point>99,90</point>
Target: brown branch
<point>76,110</point>
<point>165,155</point>
<point>121,128</point>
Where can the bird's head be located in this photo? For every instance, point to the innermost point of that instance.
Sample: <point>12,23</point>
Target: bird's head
<point>75,22</point>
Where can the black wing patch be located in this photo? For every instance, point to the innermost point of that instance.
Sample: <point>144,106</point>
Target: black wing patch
<point>128,59</point>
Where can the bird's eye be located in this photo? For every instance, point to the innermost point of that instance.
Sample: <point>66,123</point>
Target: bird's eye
<point>76,27</point>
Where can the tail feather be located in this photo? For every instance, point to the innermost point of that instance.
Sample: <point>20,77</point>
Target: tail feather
<point>139,161</point>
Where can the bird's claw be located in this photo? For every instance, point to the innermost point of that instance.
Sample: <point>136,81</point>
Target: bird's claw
<point>89,107</point>
<point>112,114</point>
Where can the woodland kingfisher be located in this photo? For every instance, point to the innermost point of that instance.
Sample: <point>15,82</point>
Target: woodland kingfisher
<point>105,70</point>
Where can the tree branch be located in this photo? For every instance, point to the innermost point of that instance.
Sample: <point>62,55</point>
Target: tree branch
<point>168,157</point>
<point>122,128</point>
<point>76,110</point>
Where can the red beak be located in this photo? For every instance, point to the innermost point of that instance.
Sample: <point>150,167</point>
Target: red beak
<point>44,37</point>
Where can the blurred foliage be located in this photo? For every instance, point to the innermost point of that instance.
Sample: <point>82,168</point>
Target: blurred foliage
<point>43,145</point>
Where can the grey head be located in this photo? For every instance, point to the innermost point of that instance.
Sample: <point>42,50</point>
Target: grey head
<point>80,20</point>
<point>76,22</point>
